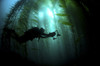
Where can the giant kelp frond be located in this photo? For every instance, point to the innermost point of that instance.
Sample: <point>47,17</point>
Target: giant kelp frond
<point>33,20</point>
<point>86,8</point>
<point>62,3</point>
<point>65,22</point>
<point>62,14</point>
<point>13,11</point>
<point>62,6</point>
<point>23,20</point>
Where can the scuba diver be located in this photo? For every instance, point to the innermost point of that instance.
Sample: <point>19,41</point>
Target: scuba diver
<point>35,32</point>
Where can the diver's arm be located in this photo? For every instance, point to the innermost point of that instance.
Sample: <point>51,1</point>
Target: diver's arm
<point>48,35</point>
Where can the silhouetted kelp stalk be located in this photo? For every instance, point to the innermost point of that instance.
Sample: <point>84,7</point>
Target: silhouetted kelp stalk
<point>76,33</point>
<point>11,19</point>
<point>13,12</point>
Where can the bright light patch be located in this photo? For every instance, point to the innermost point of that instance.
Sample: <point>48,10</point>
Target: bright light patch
<point>50,12</point>
<point>40,14</point>
<point>54,11</point>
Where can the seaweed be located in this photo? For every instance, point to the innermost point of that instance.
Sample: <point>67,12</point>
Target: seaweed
<point>62,6</point>
<point>36,17</point>
<point>62,14</point>
<point>86,8</point>
<point>35,49</point>
<point>65,23</point>
<point>78,39</point>
<point>62,3</point>
<point>34,20</point>
<point>24,49</point>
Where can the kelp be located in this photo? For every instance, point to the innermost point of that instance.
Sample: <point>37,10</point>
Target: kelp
<point>36,17</point>
<point>13,12</point>
<point>76,42</point>
<point>62,14</point>
<point>33,20</point>
<point>62,6</point>
<point>23,8</point>
<point>20,28</point>
<point>86,8</point>
<point>65,23</point>
<point>24,17</point>
<point>62,3</point>
<point>26,8</point>
<point>53,2</point>
<point>24,49</point>
<point>35,49</point>
<point>34,5</point>
<point>38,1</point>
<point>78,39</point>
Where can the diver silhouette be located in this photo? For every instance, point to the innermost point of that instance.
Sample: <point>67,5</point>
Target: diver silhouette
<point>33,33</point>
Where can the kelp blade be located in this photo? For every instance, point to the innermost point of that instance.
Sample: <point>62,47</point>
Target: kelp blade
<point>34,20</point>
<point>35,49</point>
<point>67,23</point>
<point>62,14</point>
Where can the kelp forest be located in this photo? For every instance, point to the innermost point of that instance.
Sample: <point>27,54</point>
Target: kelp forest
<point>59,35</point>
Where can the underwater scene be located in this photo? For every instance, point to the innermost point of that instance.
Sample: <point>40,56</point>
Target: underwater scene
<point>45,32</point>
